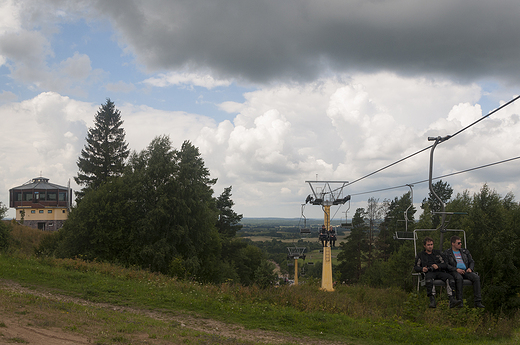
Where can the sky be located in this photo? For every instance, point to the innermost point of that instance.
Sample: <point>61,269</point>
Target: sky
<point>273,93</point>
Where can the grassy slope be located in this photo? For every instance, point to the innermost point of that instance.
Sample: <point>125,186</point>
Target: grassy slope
<point>360,314</point>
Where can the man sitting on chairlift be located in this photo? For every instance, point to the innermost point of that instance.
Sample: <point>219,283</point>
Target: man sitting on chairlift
<point>461,266</point>
<point>431,262</point>
<point>324,236</point>
<point>332,236</point>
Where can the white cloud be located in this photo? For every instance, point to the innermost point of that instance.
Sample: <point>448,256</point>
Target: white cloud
<point>195,79</point>
<point>77,67</point>
<point>335,129</point>
<point>9,16</point>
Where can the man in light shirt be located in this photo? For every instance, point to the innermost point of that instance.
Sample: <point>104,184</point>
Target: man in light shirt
<point>461,266</point>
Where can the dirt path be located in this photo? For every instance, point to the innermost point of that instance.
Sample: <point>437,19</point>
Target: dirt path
<point>20,329</point>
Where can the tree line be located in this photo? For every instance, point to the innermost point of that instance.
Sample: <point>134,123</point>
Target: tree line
<point>154,209</point>
<point>491,223</point>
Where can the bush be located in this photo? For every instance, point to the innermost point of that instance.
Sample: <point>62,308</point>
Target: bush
<point>5,235</point>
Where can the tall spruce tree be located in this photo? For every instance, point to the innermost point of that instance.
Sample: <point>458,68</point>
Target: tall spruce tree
<point>105,152</point>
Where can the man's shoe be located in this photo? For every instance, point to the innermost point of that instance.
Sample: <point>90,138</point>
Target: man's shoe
<point>455,302</point>
<point>479,305</point>
<point>433,304</point>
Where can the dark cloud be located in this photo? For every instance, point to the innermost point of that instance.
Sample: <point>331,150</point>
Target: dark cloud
<point>265,40</point>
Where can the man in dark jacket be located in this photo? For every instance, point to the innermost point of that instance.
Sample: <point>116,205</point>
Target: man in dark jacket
<point>432,264</point>
<point>461,266</point>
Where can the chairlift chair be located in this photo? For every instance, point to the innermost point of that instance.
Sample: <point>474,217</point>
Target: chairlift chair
<point>442,228</point>
<point>421,277</point>
<point>305,230</point>
<point>347,225</point>
<point>406,235</point>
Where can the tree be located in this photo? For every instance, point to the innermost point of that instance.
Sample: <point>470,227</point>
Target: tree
<point>160,215</point>
<point>228,220</point>
<point>494,242</point>
<point>444,192</point>
<point>105,152</point>
<point>394,221</point>
<point>374,213</point>
<point>351,255</point>
<point>100,226</point>
<point>265,275</point>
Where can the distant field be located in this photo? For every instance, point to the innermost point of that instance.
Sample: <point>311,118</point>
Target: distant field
<point>269,238</point>
<point>262,237</point>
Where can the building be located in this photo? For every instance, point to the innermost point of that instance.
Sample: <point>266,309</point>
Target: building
<point>40,204</point>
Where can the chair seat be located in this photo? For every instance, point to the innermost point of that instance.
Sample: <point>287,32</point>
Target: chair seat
<point>438,282</point>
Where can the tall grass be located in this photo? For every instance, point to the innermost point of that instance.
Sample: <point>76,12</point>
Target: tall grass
<point>25,240</point>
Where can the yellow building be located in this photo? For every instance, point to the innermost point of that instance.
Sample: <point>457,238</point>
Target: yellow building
<point>40,204</point>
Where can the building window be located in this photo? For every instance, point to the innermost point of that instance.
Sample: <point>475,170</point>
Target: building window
<point>51,196</point>
<point>62,196</point>
<point>33,211</point>
<point>41,211</point>
<point>62,211</point>
<point>49,211</point>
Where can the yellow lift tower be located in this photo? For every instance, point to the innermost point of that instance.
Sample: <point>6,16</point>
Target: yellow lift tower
<point>327,194</point>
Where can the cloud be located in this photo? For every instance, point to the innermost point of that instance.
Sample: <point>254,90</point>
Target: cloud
<point>264,40</point>
<point>347,128</point>
<point>174,78</point>
<point>9,16</point>
<point>284,135</point>
<point>77,67</point>
<point>44,134</point>
<point>120,86</point>
<point>7,96</point>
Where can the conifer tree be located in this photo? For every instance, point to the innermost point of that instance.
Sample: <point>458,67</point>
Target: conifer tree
<point>228,220</point>
<point>105,152</point>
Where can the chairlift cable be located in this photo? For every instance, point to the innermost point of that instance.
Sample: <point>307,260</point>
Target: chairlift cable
<point>439,177</point>
<point>426,148</point>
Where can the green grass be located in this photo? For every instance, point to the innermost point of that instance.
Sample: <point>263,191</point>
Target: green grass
<point>355,313</point>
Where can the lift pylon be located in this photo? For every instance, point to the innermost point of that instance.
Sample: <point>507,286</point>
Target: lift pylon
<point>296,253</point>
<point>325,195</point>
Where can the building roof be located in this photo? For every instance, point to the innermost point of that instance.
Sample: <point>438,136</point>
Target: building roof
<point>39,183</point>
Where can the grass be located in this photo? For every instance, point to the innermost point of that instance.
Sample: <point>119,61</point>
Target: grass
<point>102,325</point>
<point>351,313</point>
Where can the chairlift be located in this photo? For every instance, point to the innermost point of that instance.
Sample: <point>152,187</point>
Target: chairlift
<point>305,230</point>
<point>347,225</point>
<point>443,226</point>
<point>405,235</point>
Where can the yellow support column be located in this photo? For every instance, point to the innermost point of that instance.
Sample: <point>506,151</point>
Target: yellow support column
<point>326,275</point>
<point>295,271</point>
